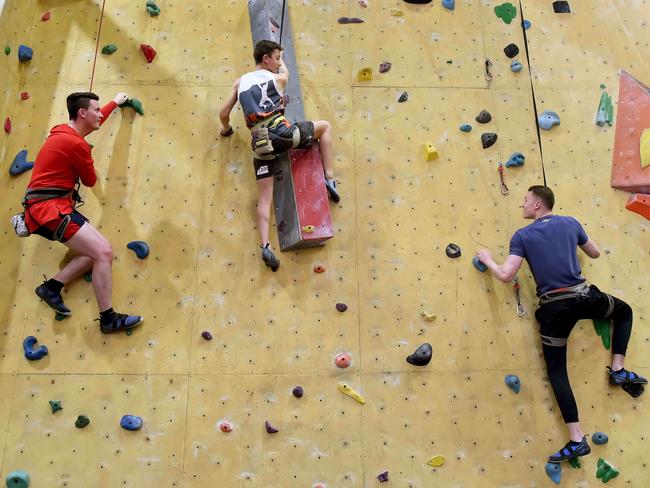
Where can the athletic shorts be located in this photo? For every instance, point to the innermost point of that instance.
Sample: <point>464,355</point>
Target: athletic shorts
<point>47,230</point>
<point>282,135</point>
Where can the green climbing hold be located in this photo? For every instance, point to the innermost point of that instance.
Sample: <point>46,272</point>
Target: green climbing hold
<point>56,405</point>
<point>128,331</point>
<point>602,86</point>
<point>575,462</point>
<point>605,110</point>
<point>605,471</point>
<point>135,104</point>
<point>59,317</point>
<point>603,330</point>
<point>88,276</point>
<point>506,12</point>
<point>7,50</point>
<point>109,49</point>
<point>152,8</point>
<point>82,421</point>
<point>18,479</point>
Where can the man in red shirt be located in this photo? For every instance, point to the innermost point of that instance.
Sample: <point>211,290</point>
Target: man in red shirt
<point>65,161</point>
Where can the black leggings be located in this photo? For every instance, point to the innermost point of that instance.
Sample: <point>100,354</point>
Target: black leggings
<point>556,321</point>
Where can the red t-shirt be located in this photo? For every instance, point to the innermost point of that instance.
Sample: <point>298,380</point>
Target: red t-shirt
<point>64,157</point>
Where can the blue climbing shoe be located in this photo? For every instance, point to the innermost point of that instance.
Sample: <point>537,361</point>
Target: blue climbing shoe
<point>54,300</point>
<point>571,451</point>
<point>331,190</point>
<point>119,322</point>
<point>625,377</point>
<point>269,258</point>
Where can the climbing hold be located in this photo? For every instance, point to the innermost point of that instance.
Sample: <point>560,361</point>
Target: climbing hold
<point>7,50</point>
<point>548,119</point>
<point>605,112</point>
<point>383,477</point>
<point>644,148</point>
<point>554,471</point>
<point>516,66</point>
<point>60,317</point>
<point>148,51</point>
<point>364,74</point>
<point>135,104</point>
<point>484,117</point>
<point>430,151</point>
<point>363,3</point>
<point>140,248</point>
<point>82,421</point>
<point>24,95</point>
<point>269,428</point>
<point>308,229</point>
<point>526,24</point>
<point>25,53</point>
<point>599,438</point>
<point>395,12</point>
<point>298,391</point>
<point>449,4</point>
<point>478,264</point>
<point>131,422</point>
<point>605,471</point>
<point>17,479</point>
<point>575,462</point>
<point>31,353</point>
<point>152,8</point>
<point>46,16</point>
<point>421,356</point>
<point>635,390</point>
<point>343,360</point>
<point>465,128</point>
<point>603,330</point>
<point>512,382</point>
<point>511,50</point>
<point>403,97</point>
<point>225,426</point>
<point>452,250</point>
<point>561,7</point>
<point>436,461</point>
<point>347,390</point>
<point>429,317</point>
<point>349,20</point>
<point>341,307</point>
<point>516,159</point>
<point>56,405</point>
<point>419,2</point>
<point>109,49</point>
<point>450,61</point>
<point>488,139</point>
<point>506,12</point>
<point>206,335</point>
<point>88,276</point>
<point>385,67</point>
<point>319,268</point>
<point>8,125</point>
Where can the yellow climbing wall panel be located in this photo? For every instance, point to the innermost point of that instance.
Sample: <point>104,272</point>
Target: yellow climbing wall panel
<point>169,179</point>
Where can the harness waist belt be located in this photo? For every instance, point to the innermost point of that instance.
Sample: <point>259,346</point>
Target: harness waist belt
<point>578,290</point>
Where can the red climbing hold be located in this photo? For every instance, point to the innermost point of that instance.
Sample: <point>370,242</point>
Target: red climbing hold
<point>148,51</point>
<point>8,125</point>
<point>319,268</point>
<point>24,95</point>
<point>343,360</point>
<point>46,16</point>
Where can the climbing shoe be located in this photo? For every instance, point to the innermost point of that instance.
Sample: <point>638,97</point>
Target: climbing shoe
<point>625,377</point>
<point>118,322</point>
<point>53,299</point>
<point>269,258</point>
<point>571,450</point>
<point>331,190</point>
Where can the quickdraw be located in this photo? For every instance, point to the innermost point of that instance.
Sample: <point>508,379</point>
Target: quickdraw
<point>519,307</point>
<point>504,187</point>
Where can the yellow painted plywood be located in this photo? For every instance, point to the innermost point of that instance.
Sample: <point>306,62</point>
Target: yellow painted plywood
<point>7,384</point>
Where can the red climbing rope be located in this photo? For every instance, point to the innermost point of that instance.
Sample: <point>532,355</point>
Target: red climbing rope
<point>99,31</point>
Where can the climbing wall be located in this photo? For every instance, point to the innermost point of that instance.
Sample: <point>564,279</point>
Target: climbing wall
<point>169,179</point>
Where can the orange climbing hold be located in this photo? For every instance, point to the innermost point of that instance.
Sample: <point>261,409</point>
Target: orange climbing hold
<point>148,51</point>
<point>639,203</point>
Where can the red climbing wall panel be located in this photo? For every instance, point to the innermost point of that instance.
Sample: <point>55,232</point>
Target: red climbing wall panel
<point>633,116</point>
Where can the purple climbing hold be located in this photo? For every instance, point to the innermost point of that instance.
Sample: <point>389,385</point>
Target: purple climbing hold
<point>31,353</point>
<point>383,477</point>
<point>350,20</point>
<point>385,67</point>
<point>298,391</point>
<point>269,428</point>
<point>131,422</point>
<point>206,335</point>
<point>341,307</point>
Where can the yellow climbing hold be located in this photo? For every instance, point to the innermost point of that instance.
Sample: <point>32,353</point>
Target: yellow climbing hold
<point>365,74</point>
<point>644,149</point>
<point>429,317</point>
<point>436,461</point>
<point>430,152</point>
<point>308,229</point>
<point>347,390</point>
<point>395,12</point>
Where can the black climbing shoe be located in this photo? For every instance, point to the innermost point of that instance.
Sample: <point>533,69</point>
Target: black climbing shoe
<point>331,190</point>
<point>269,258</point>
<point>571,451</point>
<point>119,322</point>
<point>54,300</point>
<point>625,377</point>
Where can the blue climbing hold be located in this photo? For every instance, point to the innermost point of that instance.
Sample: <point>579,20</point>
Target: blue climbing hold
<point>526,24</point>
<point>131,422</point>
<point>25,53</point>
<point>449,4</point>
<point>20,163</point>
<point>548,119</point>
<point>517,159</point>
<point>478,264</point>
<point>140,248</point>
<point>512,382</point>
<point>465,128</point>
<point>516,66</point>
<point>599,438</point>
<point>554,471</point>
<point>17,479</point>
<point>31,353</point>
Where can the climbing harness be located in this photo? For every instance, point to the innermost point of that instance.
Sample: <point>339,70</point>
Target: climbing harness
<point>580,290</point>
<point>519,307</point>
<point>266,144</point>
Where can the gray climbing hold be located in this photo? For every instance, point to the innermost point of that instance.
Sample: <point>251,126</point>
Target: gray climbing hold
<point>20,164</point>
<point>403,97</point>
<point>140,248</point>
<point>298,391</point>
<point>554,471</point>
<point>385,67</point>
<point>484,117</point>
<point>349,20</point>
<point>478,264</point>
<point>516,66</point>
<point>488,139</point>
<point>31,353</point>
<point>452,250</point>
<point>383,477</point>
<point>449,4</point>
<point>131,422</point>
<point>599,438</point>
<point>511,50</point>
<point>548,119</point>
<point>465,128</point>
<point>25,53</point>
<point>82,422</point>
<point>421,356</point>
<point>512,382</point>
<point>269,428</point>
<point>17,479</point>
<point>516,159</point>
<point>56,405</point>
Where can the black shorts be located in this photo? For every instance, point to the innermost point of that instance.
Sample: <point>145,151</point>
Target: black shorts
<point>282,137</point>
<point>48,229</point>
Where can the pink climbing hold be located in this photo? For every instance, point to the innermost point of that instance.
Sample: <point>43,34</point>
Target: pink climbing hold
<point>148,51</point>
<point>225,426</point>
<point>8,125</point>
<point>343,360</point>
<point>24,95</point>
<point>46,16</point>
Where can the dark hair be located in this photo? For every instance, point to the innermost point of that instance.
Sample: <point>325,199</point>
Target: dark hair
<point>79,100</point>
<point>263,48</point>
<point>545,194</point>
